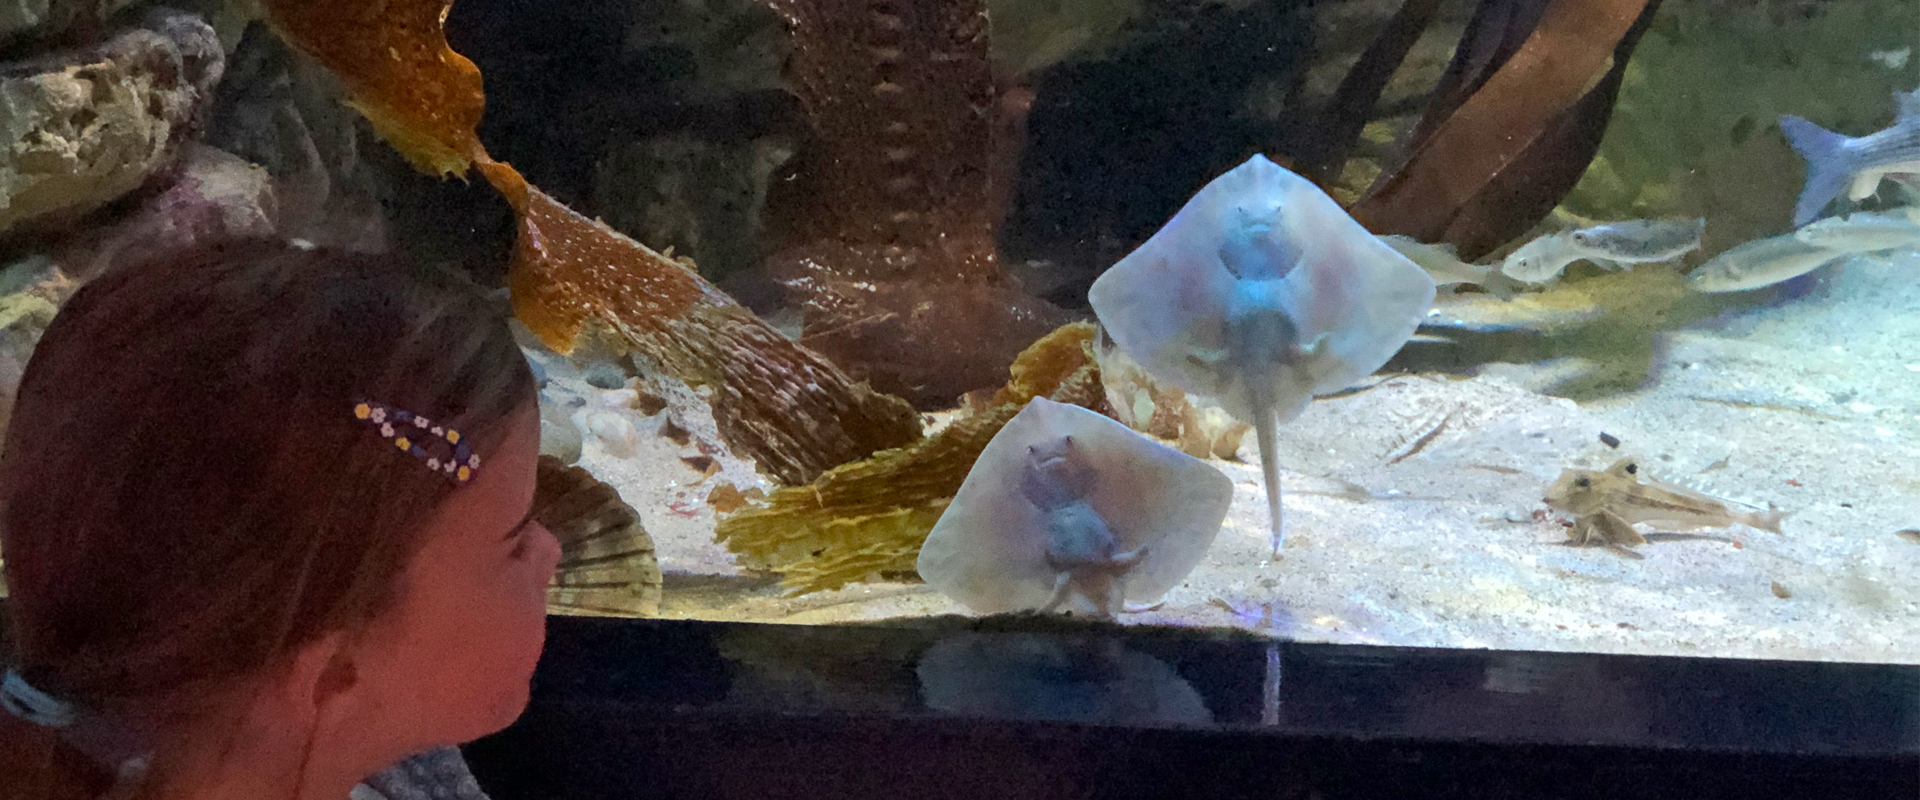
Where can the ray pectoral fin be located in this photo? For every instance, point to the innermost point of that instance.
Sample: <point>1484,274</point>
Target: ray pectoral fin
<point>1364,302</point>
<point>1167,313</point>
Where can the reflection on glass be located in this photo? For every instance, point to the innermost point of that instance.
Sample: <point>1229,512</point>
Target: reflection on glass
<point>1055,678</point>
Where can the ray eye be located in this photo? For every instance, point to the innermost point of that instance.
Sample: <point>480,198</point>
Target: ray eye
<point>1633,469</point>
<point>1582,482</point>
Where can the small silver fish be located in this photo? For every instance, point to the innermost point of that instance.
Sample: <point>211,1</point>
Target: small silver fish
<point>1542,259</point>
<point>1862,232</point>
<point>1612,246</point>
<point>1837,163</point>
<point>1641,241</point>
<point>1442,262</point>
<point>1761,262</point>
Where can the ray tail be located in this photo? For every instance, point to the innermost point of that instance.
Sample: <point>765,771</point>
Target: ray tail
<point>1266,429</point>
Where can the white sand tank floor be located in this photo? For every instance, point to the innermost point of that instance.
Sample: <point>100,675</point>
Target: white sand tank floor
<point>1812,404</point>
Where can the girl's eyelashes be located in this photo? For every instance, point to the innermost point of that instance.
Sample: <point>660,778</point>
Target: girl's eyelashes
<point>520,540</point>
<point>518,536</point>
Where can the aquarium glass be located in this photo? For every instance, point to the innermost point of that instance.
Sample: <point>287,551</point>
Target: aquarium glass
<point>1567,325</point>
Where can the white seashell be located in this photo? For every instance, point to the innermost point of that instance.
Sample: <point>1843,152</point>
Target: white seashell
<point>615,433</point>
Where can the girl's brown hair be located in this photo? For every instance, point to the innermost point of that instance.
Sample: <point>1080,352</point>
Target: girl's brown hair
<point>185,493</point>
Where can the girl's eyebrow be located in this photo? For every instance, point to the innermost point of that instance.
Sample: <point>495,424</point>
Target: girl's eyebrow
<point>515,530</point>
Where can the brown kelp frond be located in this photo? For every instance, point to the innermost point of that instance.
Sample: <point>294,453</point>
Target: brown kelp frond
<point>1353,104</point>
<point>1526,119</point>
<point>884,225</point>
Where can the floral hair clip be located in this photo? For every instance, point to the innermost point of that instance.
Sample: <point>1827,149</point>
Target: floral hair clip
<point>410,432</point>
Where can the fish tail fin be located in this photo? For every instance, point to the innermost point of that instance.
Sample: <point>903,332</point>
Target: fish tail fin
<point>1497,283</point>
<point>1768,520</point>
<point>1266,429</point>
<point>1828,169</point>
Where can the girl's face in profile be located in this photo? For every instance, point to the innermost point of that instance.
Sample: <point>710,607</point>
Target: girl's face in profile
<point>450,660</point>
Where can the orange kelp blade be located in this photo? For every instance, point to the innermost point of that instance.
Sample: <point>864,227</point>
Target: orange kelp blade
<point>422,97</point>
<point>568,269</point>
<point>778,403</point>
<point>782,405</point>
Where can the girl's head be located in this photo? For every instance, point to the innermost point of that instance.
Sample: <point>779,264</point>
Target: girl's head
<point>196,509</point>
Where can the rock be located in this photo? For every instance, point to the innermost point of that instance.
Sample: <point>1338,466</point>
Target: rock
<point>33,290</point>
<point>606,376</point>
<point>705,50</point>
<point>927,342</point>
<point>559,437</point>
<point>83,128</point>
<point>21,20</point>
<point>216,196</point>
<point>229,18</point>
<point>539,372</point>
<point>547,365</point>
<point>283,113</point>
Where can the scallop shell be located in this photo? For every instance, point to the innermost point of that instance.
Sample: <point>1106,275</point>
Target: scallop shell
<point>607,564</point>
